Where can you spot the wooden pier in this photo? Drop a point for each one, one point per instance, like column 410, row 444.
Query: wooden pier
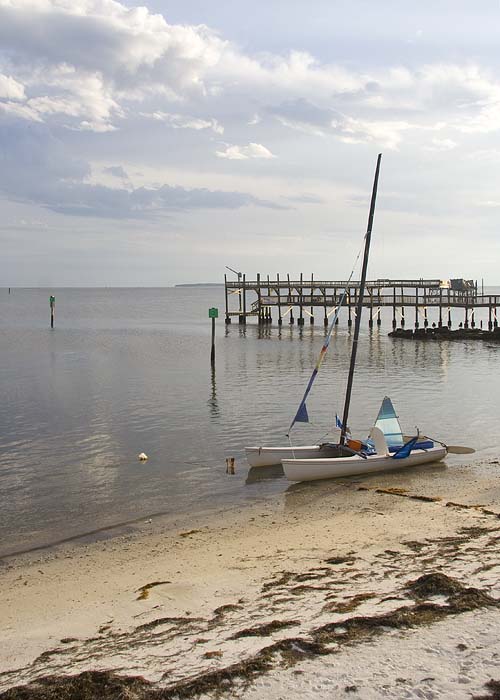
column 296, row 300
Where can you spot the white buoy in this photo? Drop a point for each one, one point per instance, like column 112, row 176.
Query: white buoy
column 143, row 457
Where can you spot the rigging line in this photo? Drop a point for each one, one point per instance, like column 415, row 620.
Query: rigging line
column 326, row 341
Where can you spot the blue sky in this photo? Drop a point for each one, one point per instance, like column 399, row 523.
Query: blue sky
column 155, row 144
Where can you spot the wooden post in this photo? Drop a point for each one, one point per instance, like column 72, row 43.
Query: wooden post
column 379, row 320
column 466, row 319
column 402, row 308
column 243, row 319
column 490, row 315
column 268, row 308
column 280, row 320
column 228, row 318
column 213, row 313
column 311, row 319
column 259, row 304
column 325, row 319
column 416, row 307
column 290, row 299
column 394, row 322
column 349, row 308
column 300, row 320
column 440, row 322
column 52, row 302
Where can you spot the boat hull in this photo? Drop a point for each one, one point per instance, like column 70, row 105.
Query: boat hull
column 312, row 469
column 269, row 456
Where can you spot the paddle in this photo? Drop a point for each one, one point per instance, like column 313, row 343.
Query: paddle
column 452, row 449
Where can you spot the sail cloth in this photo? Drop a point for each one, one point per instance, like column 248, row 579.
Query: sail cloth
column 388, row 423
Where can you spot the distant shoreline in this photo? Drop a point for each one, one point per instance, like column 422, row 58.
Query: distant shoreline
column 200, row 284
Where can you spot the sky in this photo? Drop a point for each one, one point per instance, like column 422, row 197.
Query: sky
column 154, row 144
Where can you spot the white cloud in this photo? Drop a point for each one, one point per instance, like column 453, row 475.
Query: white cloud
column 442, row 145
column 10, row 89
column 180, row 121
column 253, row 150
column 138, row 57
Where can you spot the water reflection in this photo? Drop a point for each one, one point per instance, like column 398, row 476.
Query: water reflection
column 122, row 374
column 212, row 401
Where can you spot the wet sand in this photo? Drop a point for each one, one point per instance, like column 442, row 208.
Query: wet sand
column 384, row 586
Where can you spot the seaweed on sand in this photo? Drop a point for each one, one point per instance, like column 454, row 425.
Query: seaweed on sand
column 348, row 605
column 144, row 590
column 84, row 686
column 264, row 630
column 93, row 685
column 460, row 599
column 494, row 691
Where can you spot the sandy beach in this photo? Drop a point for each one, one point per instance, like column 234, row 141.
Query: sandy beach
column 384, row 586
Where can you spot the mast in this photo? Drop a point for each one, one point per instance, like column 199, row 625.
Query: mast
column 359, row 308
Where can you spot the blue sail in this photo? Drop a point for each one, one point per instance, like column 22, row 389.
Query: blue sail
column 388, row 423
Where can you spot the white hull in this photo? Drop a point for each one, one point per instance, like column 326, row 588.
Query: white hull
column 268, row 456
column 312, row 469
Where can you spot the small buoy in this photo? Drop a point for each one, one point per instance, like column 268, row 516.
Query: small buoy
column 143, row 457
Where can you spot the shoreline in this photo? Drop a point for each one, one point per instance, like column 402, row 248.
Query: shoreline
column 176, row 600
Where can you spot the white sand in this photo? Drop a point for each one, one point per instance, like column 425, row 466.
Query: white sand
column 88, row 594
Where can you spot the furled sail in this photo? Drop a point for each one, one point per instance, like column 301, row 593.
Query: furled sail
column 388, row 422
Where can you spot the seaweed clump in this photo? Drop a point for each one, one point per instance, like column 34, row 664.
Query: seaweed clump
column 84, row 686
column 265, row 630
column 494, row 691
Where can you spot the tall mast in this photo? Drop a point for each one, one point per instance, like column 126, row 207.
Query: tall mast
column 359, row 307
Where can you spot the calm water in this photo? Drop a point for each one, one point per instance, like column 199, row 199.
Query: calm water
column 127, row 370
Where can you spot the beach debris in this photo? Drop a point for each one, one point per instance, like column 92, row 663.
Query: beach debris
column 266, row 629
column 144, row 590
column 229, row 465
column 212, row 654
column 142, row 457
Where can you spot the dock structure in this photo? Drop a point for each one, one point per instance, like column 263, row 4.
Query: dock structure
column 296, row 300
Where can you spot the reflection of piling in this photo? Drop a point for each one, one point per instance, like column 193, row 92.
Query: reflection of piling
column 52, row 302
column 229, row 465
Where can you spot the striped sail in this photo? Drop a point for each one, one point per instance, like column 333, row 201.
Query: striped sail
column 388, row 423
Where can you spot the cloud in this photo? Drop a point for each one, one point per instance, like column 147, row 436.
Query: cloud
column 10, row 89
column 116, row 171
column 309, row 118
column 180, row 121
column 83, row 199
column 48, row 74
column 306, row 199
column 38, row 168
column 253, row 150
column 442, row 145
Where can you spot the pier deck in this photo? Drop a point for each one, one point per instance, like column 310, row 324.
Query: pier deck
column 258, row 298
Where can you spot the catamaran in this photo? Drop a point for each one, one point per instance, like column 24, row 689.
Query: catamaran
column 385, row 448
